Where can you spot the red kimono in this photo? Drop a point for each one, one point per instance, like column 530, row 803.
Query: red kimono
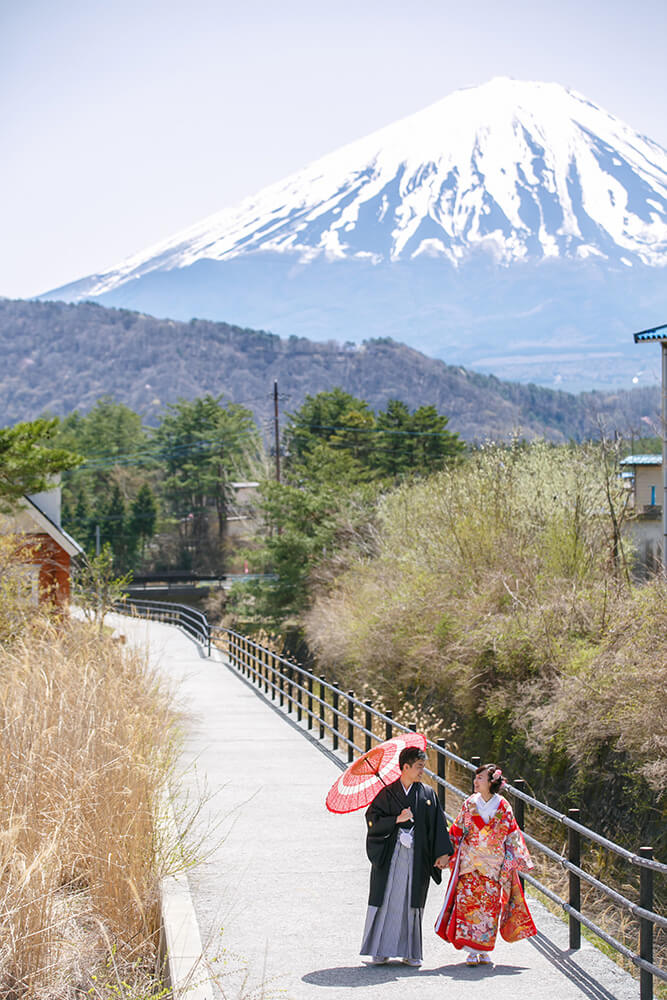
column 484, row 889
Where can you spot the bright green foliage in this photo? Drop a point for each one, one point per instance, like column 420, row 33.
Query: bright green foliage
column 335, row 417
column 394, row 450
column 393, row 444
column 433, row 445
column 110, row 429
column 205, row 445
column 96, row 496
column 137, row 481
column 304, row 523
column 143, row 517
column 97, row 585
column 339, row 457
column 413, row 443
column 28, row 460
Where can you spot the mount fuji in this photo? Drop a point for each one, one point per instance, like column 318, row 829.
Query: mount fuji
column 514, row 227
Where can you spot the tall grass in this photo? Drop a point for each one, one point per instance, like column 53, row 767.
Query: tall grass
column 86, row 745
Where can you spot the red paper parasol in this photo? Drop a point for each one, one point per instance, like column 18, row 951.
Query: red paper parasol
column 360, row 783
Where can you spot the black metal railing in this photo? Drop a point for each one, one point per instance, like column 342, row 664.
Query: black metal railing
column 319, row 704
column 188, row 619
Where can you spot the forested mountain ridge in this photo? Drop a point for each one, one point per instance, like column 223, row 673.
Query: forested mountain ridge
column 60, row 357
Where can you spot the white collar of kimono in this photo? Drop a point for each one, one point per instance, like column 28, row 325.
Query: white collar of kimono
column 486, row 809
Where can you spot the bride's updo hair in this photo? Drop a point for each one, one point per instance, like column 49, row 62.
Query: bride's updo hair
column 496, row 778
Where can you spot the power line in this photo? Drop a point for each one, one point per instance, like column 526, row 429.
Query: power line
column 365, row 430
column 164, row 454
column 100, row 460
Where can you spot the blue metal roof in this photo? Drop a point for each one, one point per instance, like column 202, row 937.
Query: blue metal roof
column 642, row 460
column 652, row 334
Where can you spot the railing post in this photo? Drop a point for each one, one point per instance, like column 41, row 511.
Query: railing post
column 442, row 743
column 476, row 762
column 335, row 717
column 368, row 724
column 208, row 638
column 350, row 726
column 290, row 674
column 519, row 804
column 265, row 659
column 574, row 898
column 646, row 926
column 310, row 700
column 299, row 685
column 412, row 727
column 273, row 676
column 520, row 813
column 388, row 727
column 281, row 683
column 322, row 692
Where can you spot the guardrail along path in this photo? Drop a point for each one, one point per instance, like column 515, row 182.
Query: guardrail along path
column 281, row 895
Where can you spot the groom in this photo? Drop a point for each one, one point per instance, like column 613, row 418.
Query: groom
column 407, row 844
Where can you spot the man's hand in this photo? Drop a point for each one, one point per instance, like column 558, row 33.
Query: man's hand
column 442, row 861
column 405, row 816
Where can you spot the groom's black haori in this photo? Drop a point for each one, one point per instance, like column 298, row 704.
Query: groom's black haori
column 431, row 839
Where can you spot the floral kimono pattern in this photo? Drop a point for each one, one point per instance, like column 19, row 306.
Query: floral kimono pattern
column 484, row 889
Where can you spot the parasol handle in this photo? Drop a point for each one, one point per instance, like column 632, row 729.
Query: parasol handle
column 378, row 775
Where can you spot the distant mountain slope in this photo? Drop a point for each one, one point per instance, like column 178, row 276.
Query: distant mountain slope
column 514, row 227
column 61, row 357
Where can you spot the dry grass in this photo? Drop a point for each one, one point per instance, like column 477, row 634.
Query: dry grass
column 86, row 748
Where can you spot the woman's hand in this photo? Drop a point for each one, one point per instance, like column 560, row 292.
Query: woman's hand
column 405, row 816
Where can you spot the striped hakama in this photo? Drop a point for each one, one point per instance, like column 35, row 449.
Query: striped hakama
column 394, row 930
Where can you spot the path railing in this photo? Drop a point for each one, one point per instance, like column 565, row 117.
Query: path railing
column 354, row 726
column 188, row 619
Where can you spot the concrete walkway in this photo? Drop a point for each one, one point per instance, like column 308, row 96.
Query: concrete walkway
column 281, row 895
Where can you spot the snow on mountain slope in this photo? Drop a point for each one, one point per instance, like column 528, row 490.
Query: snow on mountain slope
column 524, row 171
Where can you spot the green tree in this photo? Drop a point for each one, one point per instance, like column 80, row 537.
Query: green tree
column 114, row 443
column 143, row 517
column 434, row 446
column 28, row 461
column 339, row 457
column 334, row 417
column 115, row 531
column 205, row 445
column 393, row 456
column 109, row 431
column 97, row 585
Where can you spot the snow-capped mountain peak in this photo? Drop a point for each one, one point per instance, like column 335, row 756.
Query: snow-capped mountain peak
column 522, row 171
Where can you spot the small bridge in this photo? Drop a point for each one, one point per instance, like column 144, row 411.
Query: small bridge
column 280, row 896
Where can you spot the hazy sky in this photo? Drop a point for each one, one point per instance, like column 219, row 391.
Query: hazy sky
column 123, row 121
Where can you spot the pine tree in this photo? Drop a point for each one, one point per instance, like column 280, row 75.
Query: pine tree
column 143, row 517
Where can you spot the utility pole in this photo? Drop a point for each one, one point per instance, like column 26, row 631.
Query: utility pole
column 276, row 428
column 97, row 539
column 659, row 334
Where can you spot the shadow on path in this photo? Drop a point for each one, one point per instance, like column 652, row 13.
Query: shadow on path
column 373, row 975
column 561, row 959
